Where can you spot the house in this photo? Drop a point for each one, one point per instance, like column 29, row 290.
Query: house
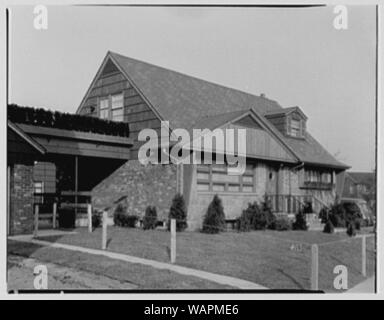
column 361, row 185
column 284, row 161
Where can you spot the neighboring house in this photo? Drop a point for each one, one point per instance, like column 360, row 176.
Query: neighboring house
column 360, row 185
column 284, row 161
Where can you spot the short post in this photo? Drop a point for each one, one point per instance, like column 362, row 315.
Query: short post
column 54, row 215
column 89, row 211
column 364, row 255
column 36, row 227
column 173, row 240
column 315, row 267
column 104, row 233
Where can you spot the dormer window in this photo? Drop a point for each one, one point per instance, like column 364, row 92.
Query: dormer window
column 295, row 128
column 289, row 121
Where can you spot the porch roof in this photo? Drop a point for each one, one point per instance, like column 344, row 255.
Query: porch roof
column 61, row 141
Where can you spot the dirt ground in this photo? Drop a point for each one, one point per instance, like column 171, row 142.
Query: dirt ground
column 21, row 277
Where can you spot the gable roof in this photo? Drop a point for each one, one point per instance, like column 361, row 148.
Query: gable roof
column 186, row 101
column 367, row 178
column 286, row 111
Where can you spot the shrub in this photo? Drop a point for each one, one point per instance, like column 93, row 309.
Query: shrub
column 329, row 228
column 267, row 216
column 351, row 231
column 122, row 219
column 246, row 221
column 178, row 211
column 66, row 121
column 214, row 219
column 282, row 224
column 307, row 207
column 150, row 218
column 337, row 215
column 324, row 214
column 300, row 222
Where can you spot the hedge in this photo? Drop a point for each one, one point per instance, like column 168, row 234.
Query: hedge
column 66, row 121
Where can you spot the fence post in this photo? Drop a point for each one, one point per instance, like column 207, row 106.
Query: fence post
column 36, row 226
column 104, row 233
column 364, row 255
column 54, row 215
column 173, row 240
column 315, row 267
column 89, row 211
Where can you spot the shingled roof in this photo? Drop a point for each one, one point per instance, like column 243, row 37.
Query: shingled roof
column 184, row 101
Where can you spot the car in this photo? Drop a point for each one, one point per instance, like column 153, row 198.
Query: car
column 361, row 206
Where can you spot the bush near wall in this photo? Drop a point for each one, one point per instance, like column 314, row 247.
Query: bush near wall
column 150, row 218
column 214, row 219
column 178, row 211
column 342, row 215
column 122, row 219
column 300, row 222
column 257, row 217
column 66, row 121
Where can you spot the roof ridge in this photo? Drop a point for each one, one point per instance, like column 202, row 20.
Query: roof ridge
column 196, row 78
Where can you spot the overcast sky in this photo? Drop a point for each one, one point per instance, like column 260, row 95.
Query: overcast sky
column 294, row 56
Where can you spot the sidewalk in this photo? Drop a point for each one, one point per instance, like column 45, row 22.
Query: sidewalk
column 221, row 279
column 367, row 286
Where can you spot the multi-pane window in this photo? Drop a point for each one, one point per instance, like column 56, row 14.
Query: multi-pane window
column 39, row 187
column 117, row 107
column 215, row 178
column 295, row 128
column 112, row 107
column 104, row 108
column 317, row 178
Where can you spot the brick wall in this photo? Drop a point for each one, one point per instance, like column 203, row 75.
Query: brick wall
column 21, row 199
column 138, row 186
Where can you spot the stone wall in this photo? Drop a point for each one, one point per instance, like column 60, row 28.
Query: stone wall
column 21, row 199
column 136, row 186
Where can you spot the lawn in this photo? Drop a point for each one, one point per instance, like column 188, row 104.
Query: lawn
column 277, row 260
column 133, row 275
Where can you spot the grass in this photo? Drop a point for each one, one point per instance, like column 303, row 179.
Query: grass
column 142, row 276
column 277, row 260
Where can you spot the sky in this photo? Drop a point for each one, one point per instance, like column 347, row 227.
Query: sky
column 293, row 55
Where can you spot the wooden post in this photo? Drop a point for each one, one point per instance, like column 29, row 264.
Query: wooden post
column 89, row 211
column 104, row 233
column 54, row 215
column 315, row 267
column 364, row 255
column 173, row 240
column 36, row 227
column 76, row 181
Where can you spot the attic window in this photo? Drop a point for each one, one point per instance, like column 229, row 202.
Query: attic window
column 295, row 128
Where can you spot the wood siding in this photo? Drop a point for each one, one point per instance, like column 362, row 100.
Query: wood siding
column 261, row 144
column 280, row 122
column 136, row 112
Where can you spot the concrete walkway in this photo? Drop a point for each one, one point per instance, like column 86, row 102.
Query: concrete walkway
column 221, row 279
column 367, row 286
